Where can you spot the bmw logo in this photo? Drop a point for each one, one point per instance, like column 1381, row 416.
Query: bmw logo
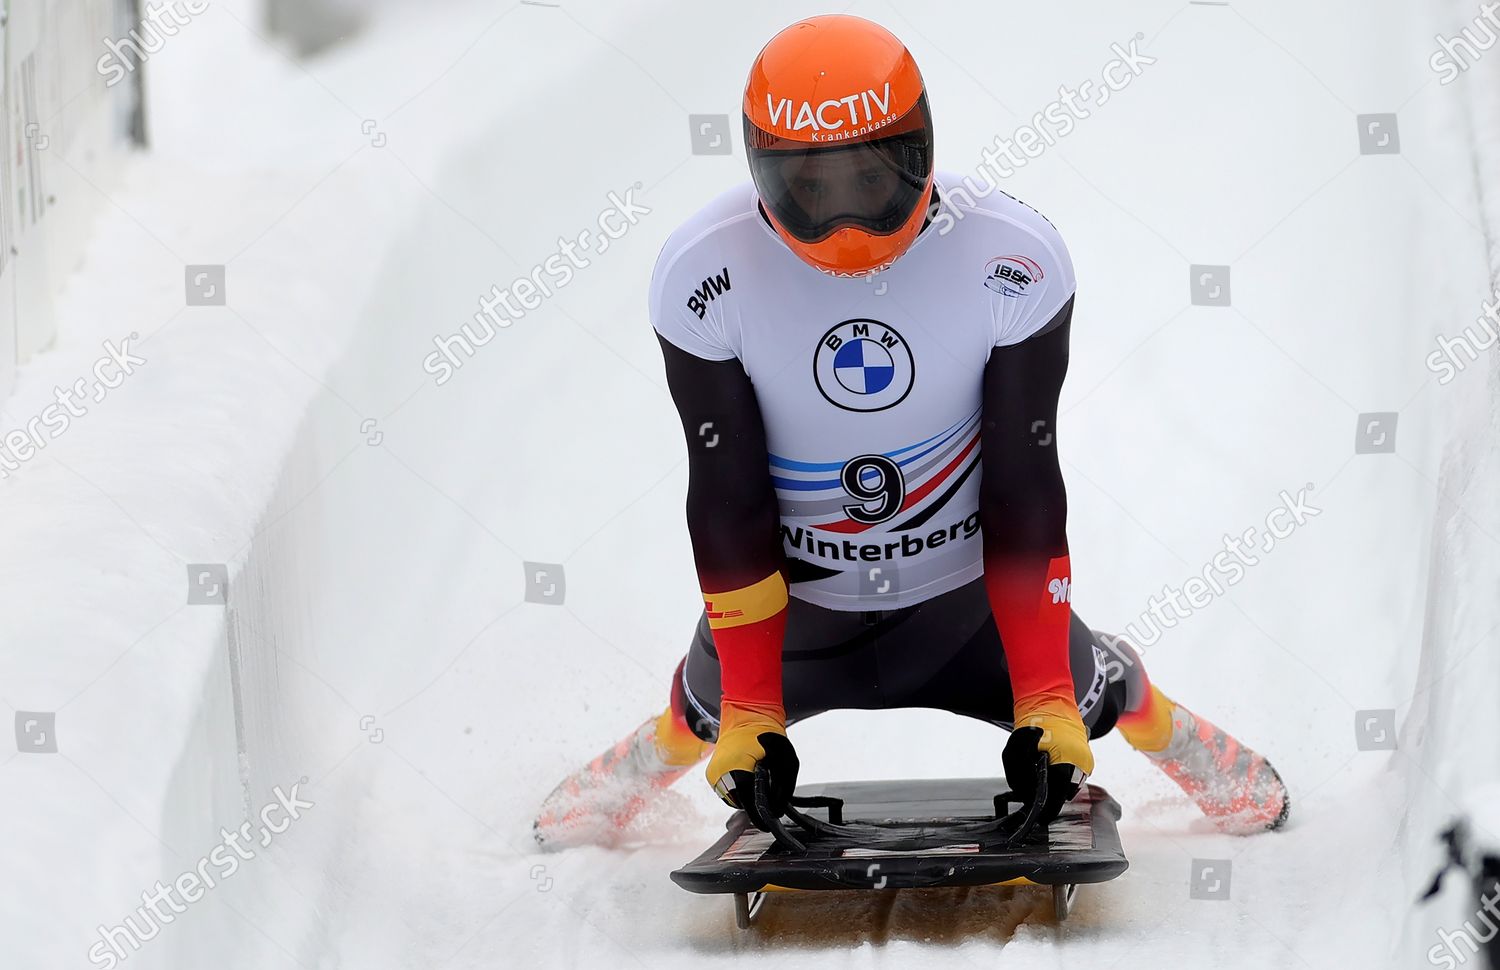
column 863, row 365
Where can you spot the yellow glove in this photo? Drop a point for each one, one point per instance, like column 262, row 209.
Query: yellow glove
column 1050, row 726
column 750, row 737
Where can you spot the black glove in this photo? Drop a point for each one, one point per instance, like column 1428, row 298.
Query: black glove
column 1022, row 759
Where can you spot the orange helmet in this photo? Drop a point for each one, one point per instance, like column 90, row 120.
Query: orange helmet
column 839, row 139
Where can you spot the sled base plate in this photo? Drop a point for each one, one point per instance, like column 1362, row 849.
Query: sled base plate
column 1081, row 846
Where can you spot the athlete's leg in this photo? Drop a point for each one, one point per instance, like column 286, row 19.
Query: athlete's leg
column 947, row 654
column 677, row 727
column 1232, row 784
column 1146, row 718
column 827, row 663
column 601, row 802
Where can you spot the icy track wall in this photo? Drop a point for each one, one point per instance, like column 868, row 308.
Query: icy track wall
column 1448, row 766
column 66, row 117
column 309, row 676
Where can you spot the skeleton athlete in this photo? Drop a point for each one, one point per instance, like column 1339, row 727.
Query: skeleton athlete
column 866, row 355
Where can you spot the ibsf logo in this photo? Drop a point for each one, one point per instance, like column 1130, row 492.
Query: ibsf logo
column 832, row 115
column 1011, row 275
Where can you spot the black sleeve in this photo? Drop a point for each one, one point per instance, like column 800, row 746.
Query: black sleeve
column 732, row 515
column 1023, row 506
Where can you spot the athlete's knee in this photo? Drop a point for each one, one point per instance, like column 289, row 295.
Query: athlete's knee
column 1122, row 665
column 1111, row 706
column 1091, row 685
column 689, row 710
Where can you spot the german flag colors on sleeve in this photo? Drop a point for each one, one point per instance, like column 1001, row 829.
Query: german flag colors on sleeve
column 748, row 625
column 1032, row 601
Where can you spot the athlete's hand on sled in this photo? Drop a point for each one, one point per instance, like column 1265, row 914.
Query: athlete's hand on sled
column 1049, row 726
column 751, row 737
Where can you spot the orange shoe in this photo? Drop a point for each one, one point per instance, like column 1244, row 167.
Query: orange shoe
column 1233, row 785
column 601, row 803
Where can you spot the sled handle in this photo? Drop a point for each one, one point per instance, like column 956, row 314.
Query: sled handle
column 1027, row 816
column 762, row 798
column 835, row 807
column 1038, row 802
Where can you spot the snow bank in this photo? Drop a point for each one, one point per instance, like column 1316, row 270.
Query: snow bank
column 365, row 580
column 257, row 168
column 65, row 132
column 1449, row 766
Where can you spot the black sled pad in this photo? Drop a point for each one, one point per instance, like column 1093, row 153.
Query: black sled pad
column 913, row 834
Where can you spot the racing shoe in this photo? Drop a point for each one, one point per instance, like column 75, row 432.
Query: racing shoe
column 1234, row 786
column 610, row 800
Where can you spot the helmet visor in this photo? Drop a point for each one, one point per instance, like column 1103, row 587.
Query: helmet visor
column 814, row 189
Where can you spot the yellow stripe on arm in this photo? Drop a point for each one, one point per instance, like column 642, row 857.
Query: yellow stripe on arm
column 750, row 604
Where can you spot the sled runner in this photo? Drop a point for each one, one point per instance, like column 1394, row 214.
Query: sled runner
column 912, row 835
